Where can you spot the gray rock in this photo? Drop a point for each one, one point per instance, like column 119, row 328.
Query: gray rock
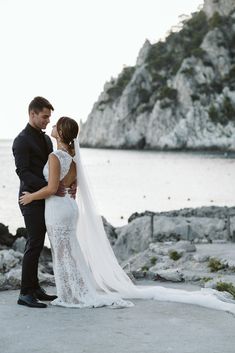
column 223, row 7
column 191, row 277
column 19, row 244
column 45, row 256
column 110, row 231
column 173, row 275
column 10, row 266
column 143, row 53
column 184, row 246
column 46, row 279
column 179, row 228
column 220, row 241
column 21, row 232
column 133, row 238
column 201, row 258
column 218, row 54
column 13, row 279
column 152, row 255
column 6, row 238
column 202, row 212
column 144, row 249
column 2, row 281
column 9, row 259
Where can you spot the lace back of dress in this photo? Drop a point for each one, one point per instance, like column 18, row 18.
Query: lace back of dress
column 65, row 161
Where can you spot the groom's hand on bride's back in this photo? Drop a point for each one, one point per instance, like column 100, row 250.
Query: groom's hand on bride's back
column 61, row 190
column 73, row 190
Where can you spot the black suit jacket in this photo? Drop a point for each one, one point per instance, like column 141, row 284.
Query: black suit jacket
column 31, row 149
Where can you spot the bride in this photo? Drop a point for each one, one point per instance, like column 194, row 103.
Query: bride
column 87, row 273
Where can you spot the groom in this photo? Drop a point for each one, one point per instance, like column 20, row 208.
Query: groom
column 31, row 149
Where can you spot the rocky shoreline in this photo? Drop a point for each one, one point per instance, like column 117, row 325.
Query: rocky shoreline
column 194, row 245
column 11, row 254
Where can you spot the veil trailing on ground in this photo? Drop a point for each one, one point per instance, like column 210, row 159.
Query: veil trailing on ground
column 108, row 275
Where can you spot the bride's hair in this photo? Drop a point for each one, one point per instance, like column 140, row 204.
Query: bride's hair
column 68, row 130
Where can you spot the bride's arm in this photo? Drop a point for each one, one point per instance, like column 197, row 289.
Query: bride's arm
column 51, row 188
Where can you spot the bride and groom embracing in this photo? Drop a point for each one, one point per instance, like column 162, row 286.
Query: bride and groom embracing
column 87, row 273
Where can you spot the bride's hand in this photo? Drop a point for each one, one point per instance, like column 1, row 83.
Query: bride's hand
column 26, row 198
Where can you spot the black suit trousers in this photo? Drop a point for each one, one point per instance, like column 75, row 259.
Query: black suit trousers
column 36, row 230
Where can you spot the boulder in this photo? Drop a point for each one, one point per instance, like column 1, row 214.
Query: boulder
column 13, row 279
column 21, row 232
column 9, row 259
column 19, row 245
column 133, row 238
column 173, row 275
column 6, row 238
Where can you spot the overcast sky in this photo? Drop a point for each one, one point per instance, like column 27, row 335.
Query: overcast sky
column 65, row 50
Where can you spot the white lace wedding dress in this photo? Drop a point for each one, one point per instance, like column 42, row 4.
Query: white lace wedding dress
column 74, row 283
column 87, row 273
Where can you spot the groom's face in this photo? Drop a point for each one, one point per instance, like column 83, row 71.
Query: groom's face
column 41, row 119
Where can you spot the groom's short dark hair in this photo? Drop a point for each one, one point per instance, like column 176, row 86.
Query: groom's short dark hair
column 38, row 104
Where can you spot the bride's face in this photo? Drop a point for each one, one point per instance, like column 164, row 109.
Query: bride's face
column 54, row 132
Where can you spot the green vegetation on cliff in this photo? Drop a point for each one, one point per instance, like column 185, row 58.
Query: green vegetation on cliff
column 121, row 82
column 165, row 58
column 168, row 55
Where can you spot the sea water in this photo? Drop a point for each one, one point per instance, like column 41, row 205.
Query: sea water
column 128, row 181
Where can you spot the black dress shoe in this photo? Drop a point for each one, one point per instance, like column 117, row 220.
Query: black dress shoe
column 40, row 294
column 30, row 300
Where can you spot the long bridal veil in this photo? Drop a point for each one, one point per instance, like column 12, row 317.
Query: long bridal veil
column 108, row 275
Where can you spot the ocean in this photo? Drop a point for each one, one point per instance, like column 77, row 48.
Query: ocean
column 128, row 181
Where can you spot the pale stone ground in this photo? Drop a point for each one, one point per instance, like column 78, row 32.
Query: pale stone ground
column 150, row 326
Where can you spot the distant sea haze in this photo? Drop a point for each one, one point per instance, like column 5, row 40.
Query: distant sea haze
column 125, row 182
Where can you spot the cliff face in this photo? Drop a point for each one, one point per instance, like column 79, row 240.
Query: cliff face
column 180, row 94
column 223, row 7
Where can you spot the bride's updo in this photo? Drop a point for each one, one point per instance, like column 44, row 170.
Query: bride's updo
column 68, row 130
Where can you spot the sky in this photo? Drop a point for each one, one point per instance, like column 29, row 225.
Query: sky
column 65, row 50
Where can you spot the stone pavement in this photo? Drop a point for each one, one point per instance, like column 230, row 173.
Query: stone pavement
column 150, row 326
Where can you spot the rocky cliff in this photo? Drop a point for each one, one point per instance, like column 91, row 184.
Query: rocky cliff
column 191, row 245
column 179, row 95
